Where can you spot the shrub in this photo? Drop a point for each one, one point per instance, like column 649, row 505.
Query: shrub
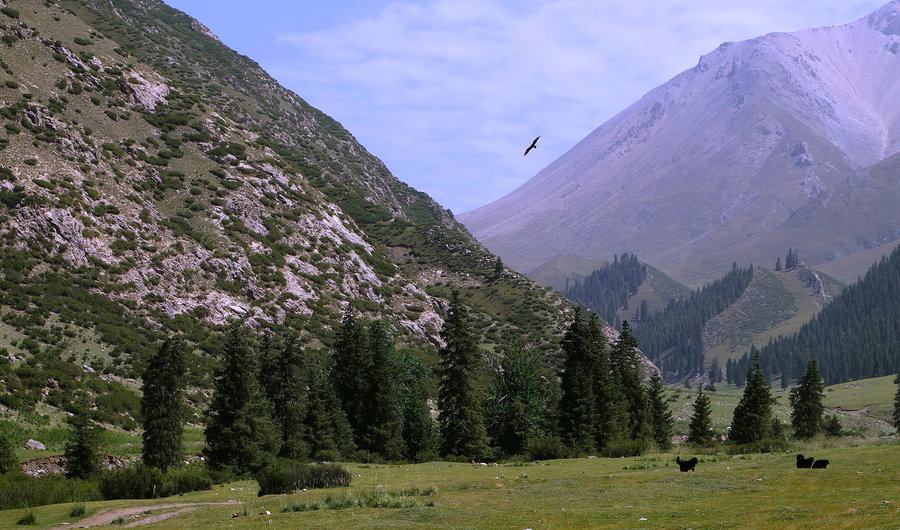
column 193, row 477
column 285, row 476
column 133, row 482
column 18, row 490
column 620, row 448
column 547, row 448
column 79, row 510
column 28, row 519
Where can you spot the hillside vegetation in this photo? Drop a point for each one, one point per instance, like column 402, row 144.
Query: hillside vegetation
column 154, row 182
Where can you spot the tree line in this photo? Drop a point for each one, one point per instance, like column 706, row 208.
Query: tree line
column 853, row 337
column 367, row 400
column 671, row 338
column 608, row 288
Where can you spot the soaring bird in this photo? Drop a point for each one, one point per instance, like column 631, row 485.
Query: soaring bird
column 532, row 146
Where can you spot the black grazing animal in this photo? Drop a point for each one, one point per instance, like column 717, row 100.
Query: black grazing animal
column 820, row 464
column 686, row 465
column 804, row 463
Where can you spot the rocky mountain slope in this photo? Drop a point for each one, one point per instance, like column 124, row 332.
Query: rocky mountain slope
column 153, row 181
column 787, row 140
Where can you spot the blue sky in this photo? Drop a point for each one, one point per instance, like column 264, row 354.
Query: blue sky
column 449, row 93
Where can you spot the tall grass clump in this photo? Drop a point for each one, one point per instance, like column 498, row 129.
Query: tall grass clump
column 286, row 476
column 377, row 498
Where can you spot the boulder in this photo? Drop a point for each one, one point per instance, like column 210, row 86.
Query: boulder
column 35, row 445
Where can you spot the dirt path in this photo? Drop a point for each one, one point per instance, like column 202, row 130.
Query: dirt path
column 108, row 516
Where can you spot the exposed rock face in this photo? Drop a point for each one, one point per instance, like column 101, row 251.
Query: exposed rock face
column 760, row 147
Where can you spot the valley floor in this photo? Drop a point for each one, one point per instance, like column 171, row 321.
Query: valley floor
column 858, row 490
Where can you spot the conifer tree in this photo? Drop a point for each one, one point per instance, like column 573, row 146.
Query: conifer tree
column 897, row 403
column 752, row 420
column 627, row 369
column 715, row 372
column 578, row 415
column 286, row 387
column 420, row 435
column 610, row 405
column 352, row 368
column 518, row 401
column 240, row 433
column 807, row 407
column 700, row 426
column 163, row 406
column 660, row 415
column 384, row 430
column 83, row 447
column 461, row 419
column 778, row 264
column 328, row 432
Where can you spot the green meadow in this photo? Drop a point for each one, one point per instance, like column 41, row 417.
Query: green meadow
column 858, row 490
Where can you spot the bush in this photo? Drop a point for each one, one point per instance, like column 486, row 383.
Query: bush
column 137, row 481
column 18, row 490
column 28, row 519
column 79, row 510
column 193, row 477
column 286, row 476
column 832, row 426
column 547, row 448
column 620, row 448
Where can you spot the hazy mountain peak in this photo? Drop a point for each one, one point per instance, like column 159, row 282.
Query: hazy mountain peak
column 758, row 148
column 886, row 19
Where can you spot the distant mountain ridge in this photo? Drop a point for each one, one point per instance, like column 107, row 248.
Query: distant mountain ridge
column 786, row 140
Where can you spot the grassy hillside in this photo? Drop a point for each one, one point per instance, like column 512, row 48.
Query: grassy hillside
column 858, row 490
column 776, row 303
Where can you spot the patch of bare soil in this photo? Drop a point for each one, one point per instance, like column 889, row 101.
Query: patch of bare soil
column 135, row 512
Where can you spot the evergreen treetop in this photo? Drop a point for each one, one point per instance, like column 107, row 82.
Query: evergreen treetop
column 460, row 397
column 163, row 406
column 660, row 415
column 807, row 403
column 700, row 426
column 752, row 421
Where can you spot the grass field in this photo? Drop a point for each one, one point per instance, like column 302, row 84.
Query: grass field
column 858, row 490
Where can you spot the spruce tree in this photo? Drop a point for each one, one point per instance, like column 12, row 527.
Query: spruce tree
column 778, row 264
column 384, row 429
column 518, row 400
column 83, row 448
column 752, row 420
column 897, row 403
column 578, row 416
column 610, row 405
column 660, row 415
column 328, row 432
column 461, row 419
column 627, row 369
column 352, row 368
column 240, row 433
column 420, row 435
column 286, row 387
column 700, row 426
column 715, row 372
column 163, row 406
column 807, row 407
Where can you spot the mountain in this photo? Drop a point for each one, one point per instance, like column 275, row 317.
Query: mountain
column 154, row 182
column 789, row 140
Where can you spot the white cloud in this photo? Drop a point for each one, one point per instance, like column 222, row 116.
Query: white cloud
column 449, row 92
